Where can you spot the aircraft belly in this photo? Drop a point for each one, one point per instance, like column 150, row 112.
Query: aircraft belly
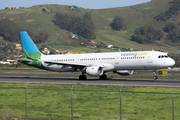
column 59, row 68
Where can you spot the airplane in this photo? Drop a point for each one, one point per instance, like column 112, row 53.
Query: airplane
column 94, row 64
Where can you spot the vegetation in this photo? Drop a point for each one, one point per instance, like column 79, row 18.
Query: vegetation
column 9, row 30
column 41, row 38
column 117, row 23
column 173, row 32
column 37, row 21
column 170, row 26
column 87, row 104
column 82, row 26
column 176, row 58
column 173, row 10
column 16, row 66
column 173, row 36
column 9, row 48
column 146, row 35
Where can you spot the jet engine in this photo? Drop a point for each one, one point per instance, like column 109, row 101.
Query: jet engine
column 94, row 71
column 125, row 72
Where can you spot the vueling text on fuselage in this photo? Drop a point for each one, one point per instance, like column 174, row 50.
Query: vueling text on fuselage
column 134, row 54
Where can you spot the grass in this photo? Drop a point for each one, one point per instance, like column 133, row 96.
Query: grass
column 30, row 20
column 76, row 50
column 147, row 8
column 16, row 11
column 16, row 66
column 110, row 19
column 56, row 104
column 12, row 12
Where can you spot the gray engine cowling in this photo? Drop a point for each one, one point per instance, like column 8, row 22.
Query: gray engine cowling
column 125, row 72
column 94, row 71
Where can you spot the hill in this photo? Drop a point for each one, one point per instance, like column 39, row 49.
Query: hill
column 40, row 18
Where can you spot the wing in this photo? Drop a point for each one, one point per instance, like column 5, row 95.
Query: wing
column 67, row 64
column 105, row 66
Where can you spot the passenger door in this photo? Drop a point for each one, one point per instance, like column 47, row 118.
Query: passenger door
column 117, row 60
column 150, row 58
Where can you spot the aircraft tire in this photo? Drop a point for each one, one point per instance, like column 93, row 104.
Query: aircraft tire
column 103, row 77
column 82, row 77
column 155, row 77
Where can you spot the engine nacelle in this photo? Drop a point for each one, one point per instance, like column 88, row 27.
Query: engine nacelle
column 94, row 71
column 125, row 72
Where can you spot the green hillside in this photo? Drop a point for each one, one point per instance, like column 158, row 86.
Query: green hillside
column 40, row 18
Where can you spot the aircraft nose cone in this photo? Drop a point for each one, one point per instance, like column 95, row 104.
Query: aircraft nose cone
column 172, row 62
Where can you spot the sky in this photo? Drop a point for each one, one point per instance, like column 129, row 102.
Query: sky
column 90, row 4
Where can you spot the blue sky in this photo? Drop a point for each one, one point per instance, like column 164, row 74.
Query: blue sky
column 90, row 4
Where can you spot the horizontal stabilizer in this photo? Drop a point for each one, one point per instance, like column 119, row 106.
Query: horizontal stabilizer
column 25, row 60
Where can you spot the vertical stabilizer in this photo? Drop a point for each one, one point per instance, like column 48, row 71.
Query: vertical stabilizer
column 29, row 47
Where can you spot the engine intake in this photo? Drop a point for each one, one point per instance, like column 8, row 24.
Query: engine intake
column 94, row 71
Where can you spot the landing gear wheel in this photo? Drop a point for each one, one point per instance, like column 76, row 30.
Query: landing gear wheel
column 155, row 77
column 82, row 77
column 103, row 77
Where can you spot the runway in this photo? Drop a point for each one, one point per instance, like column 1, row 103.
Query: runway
column 93, row 81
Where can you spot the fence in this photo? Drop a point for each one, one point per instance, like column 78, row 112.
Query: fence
column 82, row 104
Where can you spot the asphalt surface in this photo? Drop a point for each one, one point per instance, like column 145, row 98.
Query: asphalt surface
column 19, row 76
column 22, row 72
column 92, row 81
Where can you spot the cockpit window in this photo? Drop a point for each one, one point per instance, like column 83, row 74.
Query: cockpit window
column 163, row 56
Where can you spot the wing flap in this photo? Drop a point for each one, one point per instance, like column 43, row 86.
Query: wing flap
column 78, row 64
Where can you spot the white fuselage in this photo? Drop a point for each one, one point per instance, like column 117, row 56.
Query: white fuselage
column 136, row 60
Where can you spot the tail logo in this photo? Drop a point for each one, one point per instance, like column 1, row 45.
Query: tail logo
column 39, row 61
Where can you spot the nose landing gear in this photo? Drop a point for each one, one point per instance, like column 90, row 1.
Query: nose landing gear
column 155, row 77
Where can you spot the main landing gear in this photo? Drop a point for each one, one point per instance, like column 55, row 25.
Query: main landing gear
column 82, row 77
column 155, row 77
column 103, row 77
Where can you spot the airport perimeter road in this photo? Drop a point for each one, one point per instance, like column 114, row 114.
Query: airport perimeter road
column 93, row 81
